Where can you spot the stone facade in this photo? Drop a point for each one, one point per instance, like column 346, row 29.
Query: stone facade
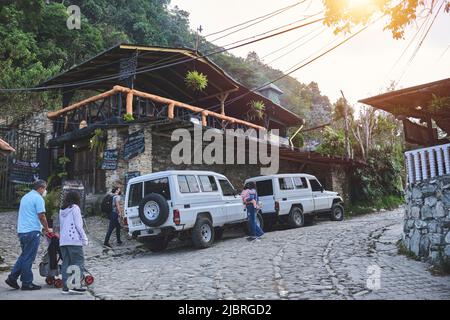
column 40, row 123
column 427, row 219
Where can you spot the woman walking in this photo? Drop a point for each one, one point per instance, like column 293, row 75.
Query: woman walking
column 114, row 216
column 72, row 238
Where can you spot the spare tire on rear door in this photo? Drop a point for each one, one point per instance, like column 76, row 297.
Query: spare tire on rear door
column 153, row 210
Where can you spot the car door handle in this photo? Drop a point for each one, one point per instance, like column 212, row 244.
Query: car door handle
column 284, row 199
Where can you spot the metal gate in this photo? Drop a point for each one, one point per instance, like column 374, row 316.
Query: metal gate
column 19, row 169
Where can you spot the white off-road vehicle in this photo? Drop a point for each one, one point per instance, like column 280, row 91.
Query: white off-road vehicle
column 294, row 199
column 198, row 204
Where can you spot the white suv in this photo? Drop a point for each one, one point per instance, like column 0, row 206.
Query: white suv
column 162, row 205
column 292, row 198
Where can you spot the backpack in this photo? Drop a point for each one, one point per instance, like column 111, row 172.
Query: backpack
column 107, row 204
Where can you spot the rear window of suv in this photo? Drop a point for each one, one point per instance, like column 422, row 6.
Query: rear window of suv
column 188, row 184
column 160, row 186
column 135, row 194
column 264, row 188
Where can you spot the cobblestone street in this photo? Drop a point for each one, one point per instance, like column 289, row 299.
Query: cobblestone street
column 328, row 260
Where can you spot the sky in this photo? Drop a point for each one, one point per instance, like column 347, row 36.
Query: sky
column 362, row 67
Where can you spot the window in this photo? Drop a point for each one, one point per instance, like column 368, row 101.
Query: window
column 160, row 186
column 208, row 183
column 300, row 183
column 315, row 185
column 135, row 195
column 286, row 183
column 188, row 184
column 227, row 188
column 264, row 188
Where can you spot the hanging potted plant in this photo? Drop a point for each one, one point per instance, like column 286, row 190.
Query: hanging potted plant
column 438, row 104
column 196, row 81
column 257, row 109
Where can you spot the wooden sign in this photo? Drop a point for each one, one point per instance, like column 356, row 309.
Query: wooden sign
column 130, row 175
column 110, row 158
column 24, row 172
column 134, row 145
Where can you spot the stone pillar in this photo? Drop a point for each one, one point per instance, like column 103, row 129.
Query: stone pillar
column 142, row 162
column 115, row 140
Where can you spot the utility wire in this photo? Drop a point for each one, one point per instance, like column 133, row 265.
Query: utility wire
column 254, row 19
column 146, row 69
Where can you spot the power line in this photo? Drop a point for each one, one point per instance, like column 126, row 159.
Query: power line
column 254, row 19
column 146, row 69
column 420, row 43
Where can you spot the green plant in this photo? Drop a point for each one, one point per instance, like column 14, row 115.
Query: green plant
column 62, row 173
column 52, row 202
column 98, row 140
column 439, row 103
column 298, row 141
column 196, row 81
column 258, row 108
column 128, row 117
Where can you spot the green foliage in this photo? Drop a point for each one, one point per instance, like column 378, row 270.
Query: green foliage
column 333, row 142
column 21, row 190
column 98, row 140
column 438, row 104
column 52, row 202
column 257, row 108
column 298, row 141
column 196, row 81
column 128, row 117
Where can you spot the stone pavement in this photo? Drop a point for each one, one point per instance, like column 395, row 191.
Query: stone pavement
column 328, row 260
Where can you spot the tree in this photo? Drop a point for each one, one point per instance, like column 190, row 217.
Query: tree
column 344, row 15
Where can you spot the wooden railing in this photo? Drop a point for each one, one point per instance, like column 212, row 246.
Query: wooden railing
column 174, row 109
column 427, row 163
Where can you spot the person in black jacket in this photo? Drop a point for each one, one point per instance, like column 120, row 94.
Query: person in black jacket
column 115, row 215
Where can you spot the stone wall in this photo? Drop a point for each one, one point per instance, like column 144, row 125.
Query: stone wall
column 40, row 123
column 427, row 219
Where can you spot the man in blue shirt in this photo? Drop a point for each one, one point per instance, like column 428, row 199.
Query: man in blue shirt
column 29, row 226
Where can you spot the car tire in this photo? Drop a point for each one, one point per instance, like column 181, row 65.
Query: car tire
column 157, row 244
column 337, row 212
column 218, row 233
column 153, row 210
column 259, row 222
column 296, row 218
column 203, row 233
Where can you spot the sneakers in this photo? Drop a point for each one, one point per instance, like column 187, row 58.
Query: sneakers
column 107, row 244
column 250, row 238
column 65, row 291
column 119, row 243
column 12, row 283
column 77, row 291
column 31, row 287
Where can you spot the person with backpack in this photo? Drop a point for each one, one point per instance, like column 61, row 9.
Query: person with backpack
column 250, row 200
column 114, row 211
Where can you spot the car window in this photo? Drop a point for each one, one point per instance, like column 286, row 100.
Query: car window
column 160, row 186
column 286, row 183
column 300, row 183
column 135, row 194
column 315, row 185
column 188, row 184
column 264, row 188
column 227, row 188
column 208, row 183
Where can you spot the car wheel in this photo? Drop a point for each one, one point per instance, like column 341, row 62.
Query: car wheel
column 153, row 210
column 157, row 244
column 218, row 233
column 337, row 212
column 296, row 218
column 203, row 233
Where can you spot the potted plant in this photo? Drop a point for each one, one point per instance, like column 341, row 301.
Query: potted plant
column 52, row 205
column 257, row 109
column 196, row 81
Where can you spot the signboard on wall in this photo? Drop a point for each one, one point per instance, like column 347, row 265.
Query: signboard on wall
column 134, row 145
column 110, row 158
column 24, row 172
column 130, row 175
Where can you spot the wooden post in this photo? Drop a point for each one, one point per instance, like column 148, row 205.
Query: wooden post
column 204, row 115
column 171, row 110
column 130, row 102
column 346, row 138
column 222, row 97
